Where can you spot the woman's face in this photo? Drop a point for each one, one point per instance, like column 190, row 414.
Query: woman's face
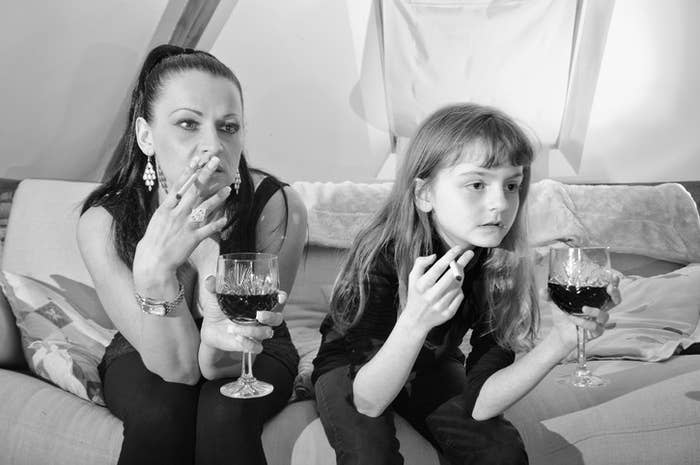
column 199, row 115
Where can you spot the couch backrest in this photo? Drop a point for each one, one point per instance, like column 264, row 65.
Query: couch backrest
column 41, row 243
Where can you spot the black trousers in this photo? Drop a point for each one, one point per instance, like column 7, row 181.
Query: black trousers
column 433, row 405
column 172, row 423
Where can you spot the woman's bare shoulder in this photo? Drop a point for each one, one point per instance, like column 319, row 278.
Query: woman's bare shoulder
column 95, row 217
column 94, row 225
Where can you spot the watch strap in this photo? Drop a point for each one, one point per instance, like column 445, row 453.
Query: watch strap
column 160, row 307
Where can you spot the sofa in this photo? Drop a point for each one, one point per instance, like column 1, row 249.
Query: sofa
column 649, row 413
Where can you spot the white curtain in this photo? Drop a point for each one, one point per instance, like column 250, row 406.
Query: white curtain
column 512, row 54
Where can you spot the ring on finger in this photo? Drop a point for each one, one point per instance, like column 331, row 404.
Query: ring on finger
column 198, row 215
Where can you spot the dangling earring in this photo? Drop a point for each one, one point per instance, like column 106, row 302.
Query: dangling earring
column 161, row 178
column 149, row 175
column 236, row 181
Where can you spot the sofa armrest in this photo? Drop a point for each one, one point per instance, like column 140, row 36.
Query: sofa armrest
column 11, row 355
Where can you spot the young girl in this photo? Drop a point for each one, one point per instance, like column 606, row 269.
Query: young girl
column 446, row 253
column 150, row 237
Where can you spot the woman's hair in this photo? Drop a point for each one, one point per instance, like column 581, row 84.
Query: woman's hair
column 124, row 194
column 504, row 285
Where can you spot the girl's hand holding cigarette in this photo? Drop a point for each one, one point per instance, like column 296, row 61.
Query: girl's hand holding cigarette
column 435, row 289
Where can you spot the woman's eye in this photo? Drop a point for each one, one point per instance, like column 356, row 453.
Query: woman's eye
column 512, row 187
column 477, row 186
column 230, row 128
column 188, row 124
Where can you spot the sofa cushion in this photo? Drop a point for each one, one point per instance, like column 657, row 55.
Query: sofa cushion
column 646, row 414
column 40, row 423
column 59, row 343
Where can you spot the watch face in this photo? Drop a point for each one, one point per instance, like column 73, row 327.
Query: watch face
column 154, row 309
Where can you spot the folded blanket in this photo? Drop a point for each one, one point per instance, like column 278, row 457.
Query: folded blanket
column 660, row 221
column 656, row 221
column 337, row 211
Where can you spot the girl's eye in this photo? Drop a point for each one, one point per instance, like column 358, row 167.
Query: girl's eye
column 477, row 186
column 512, row 187
column 188, row 124
column 230, row 128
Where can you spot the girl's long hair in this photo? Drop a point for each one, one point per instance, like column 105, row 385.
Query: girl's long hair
column 505, row 286
column 123, row 193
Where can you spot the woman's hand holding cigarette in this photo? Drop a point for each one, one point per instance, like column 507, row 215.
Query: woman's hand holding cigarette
column 172, row 233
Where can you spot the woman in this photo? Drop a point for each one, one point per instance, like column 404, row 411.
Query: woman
column 150, row 240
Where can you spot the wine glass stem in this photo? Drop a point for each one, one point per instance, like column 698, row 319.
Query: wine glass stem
column 581, row 351
column 246, row 366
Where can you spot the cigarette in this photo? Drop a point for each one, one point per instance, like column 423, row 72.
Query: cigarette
column 456, row 271
column 189, row 181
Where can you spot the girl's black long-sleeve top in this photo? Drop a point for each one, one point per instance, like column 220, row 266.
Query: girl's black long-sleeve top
column 363, row 340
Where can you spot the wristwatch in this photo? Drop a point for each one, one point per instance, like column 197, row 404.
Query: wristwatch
column 160, row 307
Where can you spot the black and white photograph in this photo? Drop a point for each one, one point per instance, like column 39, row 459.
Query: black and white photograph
column 352, row 232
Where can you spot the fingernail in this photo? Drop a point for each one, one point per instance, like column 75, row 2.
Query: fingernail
column 225, row 191
column 213, row 161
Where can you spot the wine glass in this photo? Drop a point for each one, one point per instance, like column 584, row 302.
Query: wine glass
column 245, row 284
column 579, row 276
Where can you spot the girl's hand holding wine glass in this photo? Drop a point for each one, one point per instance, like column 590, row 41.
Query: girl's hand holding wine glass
column 582, row 286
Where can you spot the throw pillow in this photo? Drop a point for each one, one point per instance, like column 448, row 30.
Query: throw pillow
column 59, row 343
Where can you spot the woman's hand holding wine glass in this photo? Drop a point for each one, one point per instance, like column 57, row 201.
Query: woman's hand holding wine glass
column 220, row 332
column 247, row 289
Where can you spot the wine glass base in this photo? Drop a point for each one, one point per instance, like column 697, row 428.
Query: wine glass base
column 589, row 380
column 246, row 389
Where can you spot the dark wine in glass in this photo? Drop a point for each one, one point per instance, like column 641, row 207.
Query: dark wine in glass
column 572, row 299
column 242, row 308
column 246, row 283
column 578, row 277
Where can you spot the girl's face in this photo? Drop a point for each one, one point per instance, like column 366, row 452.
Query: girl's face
column 473, row 206
column 196, row 114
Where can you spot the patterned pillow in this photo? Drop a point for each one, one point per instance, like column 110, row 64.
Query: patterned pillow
column 59, row 343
